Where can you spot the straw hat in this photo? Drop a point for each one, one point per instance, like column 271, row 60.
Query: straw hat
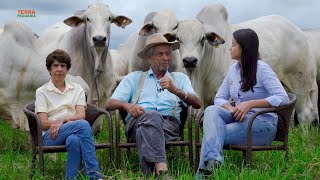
column 156, row 39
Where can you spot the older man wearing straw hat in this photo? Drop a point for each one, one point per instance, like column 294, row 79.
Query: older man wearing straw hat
column 151, row 99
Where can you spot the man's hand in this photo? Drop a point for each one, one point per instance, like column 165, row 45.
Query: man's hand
column 54, row 128
column 241, row 110
column 166, row 83
column 135, row 110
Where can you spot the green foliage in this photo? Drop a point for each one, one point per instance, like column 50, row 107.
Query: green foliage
column 304, row 160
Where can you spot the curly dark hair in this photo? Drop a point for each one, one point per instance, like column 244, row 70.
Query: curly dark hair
column 58, row 55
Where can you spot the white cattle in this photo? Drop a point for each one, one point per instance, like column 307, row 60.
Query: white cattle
column 282, row 45
column 155, row 22
column 314, row 43
column 121, row 56
column 22, row 70
column 87, row 43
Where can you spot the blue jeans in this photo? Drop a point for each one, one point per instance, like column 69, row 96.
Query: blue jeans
column 77, row 136
column 220, row 128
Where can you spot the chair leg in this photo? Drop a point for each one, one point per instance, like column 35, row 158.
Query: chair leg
column 41, row 168
column 197, row 157
column 33, row 162
column 244, row 157
column 191, row 155
column 111, row 156
column 249, row 157
column 118, row 157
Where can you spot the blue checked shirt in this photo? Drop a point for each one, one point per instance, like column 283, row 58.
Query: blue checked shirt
column 151, row 98
column 268, row 87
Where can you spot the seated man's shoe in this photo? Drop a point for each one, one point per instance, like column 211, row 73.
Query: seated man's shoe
column 212, row 164
column 202, row 174
column 163, row 175
column 209, row 164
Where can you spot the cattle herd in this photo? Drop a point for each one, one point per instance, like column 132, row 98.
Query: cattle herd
column 203, row 55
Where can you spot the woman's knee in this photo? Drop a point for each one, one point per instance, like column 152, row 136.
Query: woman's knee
column 83, row 123
column 212, row 111
column 72, row 141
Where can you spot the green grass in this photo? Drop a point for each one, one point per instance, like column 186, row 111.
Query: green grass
column 303, row 163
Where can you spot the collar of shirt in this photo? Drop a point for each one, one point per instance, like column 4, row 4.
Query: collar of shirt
column 52, row 87
column 150, row 72
column 237, row 67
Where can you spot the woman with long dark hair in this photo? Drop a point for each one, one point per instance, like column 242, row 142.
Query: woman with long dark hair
column 253, row 85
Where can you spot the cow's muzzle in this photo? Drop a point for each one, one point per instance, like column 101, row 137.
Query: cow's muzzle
column 190, row 62
column 99, row 40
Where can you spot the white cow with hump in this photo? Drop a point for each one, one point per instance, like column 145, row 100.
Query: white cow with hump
column 87, row 43
column 282, row 45
column 23, row 70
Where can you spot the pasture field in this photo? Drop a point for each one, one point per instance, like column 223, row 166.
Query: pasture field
column 303, row 163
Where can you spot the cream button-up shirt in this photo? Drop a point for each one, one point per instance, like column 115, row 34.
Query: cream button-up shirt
column 57, row 104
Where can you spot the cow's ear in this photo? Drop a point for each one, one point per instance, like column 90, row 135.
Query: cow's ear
column 170, row 37
column 73, row 21
column 147, row 29
column 121, row 21
column 214, row 39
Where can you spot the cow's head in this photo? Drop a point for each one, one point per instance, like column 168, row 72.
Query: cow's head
column 193, row 38
column 98, row 19
column 159, row 22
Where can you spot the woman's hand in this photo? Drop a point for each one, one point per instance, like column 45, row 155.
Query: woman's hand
column 241, row 110
column 229, row 107
column 54, row 128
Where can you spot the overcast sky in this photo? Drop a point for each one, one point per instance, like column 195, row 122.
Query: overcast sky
column 304, row 13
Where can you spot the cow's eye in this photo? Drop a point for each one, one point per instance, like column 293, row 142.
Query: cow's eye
column 202, row 39
column 88, row 20
column 109, row 18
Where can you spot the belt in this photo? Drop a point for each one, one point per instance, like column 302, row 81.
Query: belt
column 172, row 118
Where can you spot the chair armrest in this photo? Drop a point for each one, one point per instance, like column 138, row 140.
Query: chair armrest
column 287, row 107
column 93, row 112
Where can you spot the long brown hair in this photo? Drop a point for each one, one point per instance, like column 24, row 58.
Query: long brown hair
column 249, row 43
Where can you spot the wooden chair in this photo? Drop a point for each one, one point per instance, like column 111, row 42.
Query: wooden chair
column 284, row 114
column 92, row 113
column 185, row 116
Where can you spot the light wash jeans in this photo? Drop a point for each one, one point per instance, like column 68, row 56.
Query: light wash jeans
column 220, row 128
column 77, row 136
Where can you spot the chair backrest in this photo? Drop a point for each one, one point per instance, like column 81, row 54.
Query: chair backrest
column 92, row 113
column 284, row 115
column 32, row 121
